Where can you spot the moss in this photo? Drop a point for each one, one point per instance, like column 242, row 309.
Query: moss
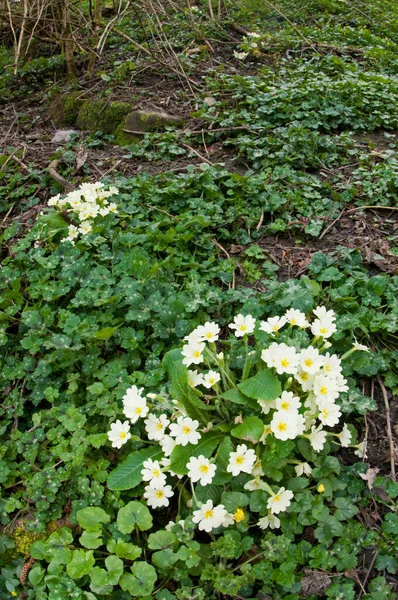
column 97, row 115
column 65, row 108
column 144, row 121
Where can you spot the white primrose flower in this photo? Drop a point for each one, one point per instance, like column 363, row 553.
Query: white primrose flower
column 305, row 380
column 134, row 405
column 240, row 55
column 255, row 484
column 332, row 365
column 326, row 345
column 329, row 413
column 243, row 325
column 323, row 328
column 192, row 353
column 104, row 211
column 296, row 317
column 156, row 426
column 152, row 472
column 280, row 501
column 193, row 337
column 345, row 436
column 258, row 469
column 112, row 208
column 209, row 517
column 303, row 469
column 228, row 520
column 282, row 357
column 361, row 450
column 341, row 383
column 54, row 200
column 358, row 346
column 266, row 405
column 310, row 360
column 270, row 521
column 208, row 332
column 184, row 431
column 211, row 378
column 326, row 388
column 288, row 401
column 201, row 469
column 287, row 425
column 119, row 433
column 85, row 228
column 159, row 496
column 194, row 378
column 322, row 313
column 273, row 324
column 168, row 444
column 317, row 438
column 73, row 232
column 241, row 461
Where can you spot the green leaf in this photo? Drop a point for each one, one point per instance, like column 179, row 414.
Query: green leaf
column 80, row 564
column 128, row 474
column 250, row 430
column 237, row 397
column 206, row 445
column 134, row 513
column 265, row 385
column 345, row 509
column 91, row 539
column 92, row 517
column 124, row 549
column 141, row 582
column 234, row 500
column 36, row 575
column 161, row 540
column 106, row 333
column 328, row 529
column 115, row 569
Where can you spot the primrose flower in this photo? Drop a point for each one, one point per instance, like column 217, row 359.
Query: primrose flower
column 266, row 405
column 104, row 211
column 282, row 357
column 184, row 431
column 194, row 379
column 211, row 378
column 243, row 325
column 240, row 55
column 310, row 360
column 270, row 521
column 345, row 436
column 296, row 317
column 305, row 380
column 119, row 433
column 193, row 337
column 332, row 365
column 255, row 484
column 168, row 444
column 322, row 313
column 361, row 450
column 303, row 469
column 156, row 426
column 152, row 472
column 241, row 461
column 209, row 517
column 159, row 496
column 192, row 353
column 287, row 425
column 72, row 232
column 208, row 332
column 323, row 328
column 134, row 405
column 201, row 469
column 329, row 413
column 280, row 501
column 326, row 388
column 112, row 208
column 287, row 402
column 317, row 437
column 85, row 228
column 273, row 325
column 54, row 200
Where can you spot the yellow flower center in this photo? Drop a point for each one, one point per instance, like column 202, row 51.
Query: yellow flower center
column 186, row 430
column 196, row 354
column 304, row 376
column 325, row 413
column 208, row 335
column 308, row 362
column 328, row 368
column 275, row 328
column 204, row 469
column 159, row 426
column 239, row 460
column 282, row 426
column 267, row 430
column 159, row 494
column 242, row 327
column 156, row 472
column 285, row 362
column 293, row 322
column 122, row 435
column 323, row 390
column 239, row 515
column 138, row 410
column 208, row 514
column 323, row 330
column 212, row 381
column 285, row 405
column 276, row 498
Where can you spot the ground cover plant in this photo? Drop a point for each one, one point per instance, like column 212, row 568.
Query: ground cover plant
column 199, row 354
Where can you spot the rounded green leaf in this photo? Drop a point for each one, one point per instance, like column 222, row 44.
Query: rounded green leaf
column 134, row 513
column 141, row 582
column 91, row 539
column 91, row 518
column 80, row 564
column 250, row 430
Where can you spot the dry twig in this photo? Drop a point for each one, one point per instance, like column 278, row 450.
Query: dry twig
column 388, row 427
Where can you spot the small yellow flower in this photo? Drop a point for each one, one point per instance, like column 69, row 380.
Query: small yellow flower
column 321, row 488
column 239, row 515
column 13, row 593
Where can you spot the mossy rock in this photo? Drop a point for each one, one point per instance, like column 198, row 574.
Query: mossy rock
column 144, row 121
column 64, row 109
column 98, row 115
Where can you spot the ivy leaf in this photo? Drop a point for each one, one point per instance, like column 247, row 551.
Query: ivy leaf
column 134, row 513
column 128, row 474
column 92, row 517
column 250, row 430
column 142, row 580
column 206, row 445
column 265, row 385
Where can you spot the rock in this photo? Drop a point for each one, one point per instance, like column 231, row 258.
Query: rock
column 100, row 115
column 143, row 121
column 62, row 136
column 210, row 101
column 65, row 107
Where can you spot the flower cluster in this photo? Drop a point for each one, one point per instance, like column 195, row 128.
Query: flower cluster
column 250, row 43
column 87, row 202
column 309, row 379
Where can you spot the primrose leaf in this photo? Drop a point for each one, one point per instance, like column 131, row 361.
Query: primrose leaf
column 250, row 430
column 265, row 385
column 128, row 474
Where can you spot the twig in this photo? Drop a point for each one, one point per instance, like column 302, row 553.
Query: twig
column 389, row 430
column 52, row 169
column 370, row 206
column 2, row 223
column 162, row 211
column 221, row 247
column 324, row 232
column 291, row 25
column 197, row 153
column 260, row 221
column 372, row 562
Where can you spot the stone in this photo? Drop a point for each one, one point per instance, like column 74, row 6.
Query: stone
column 64, row 109
column 100, row 115
column 62, row 136
column 145, row 121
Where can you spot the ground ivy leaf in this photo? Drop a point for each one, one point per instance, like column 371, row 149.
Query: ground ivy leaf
column 134, row 513
column 90, row 518
column 80, row 564
column 142, row 580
